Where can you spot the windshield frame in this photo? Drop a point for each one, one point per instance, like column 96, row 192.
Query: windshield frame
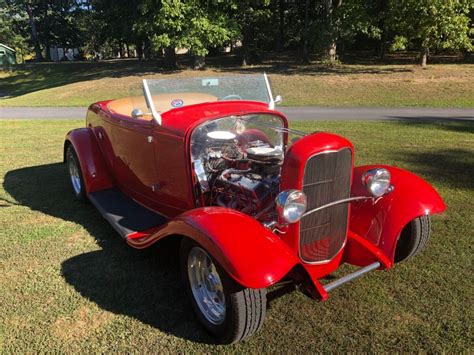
column 157, row 115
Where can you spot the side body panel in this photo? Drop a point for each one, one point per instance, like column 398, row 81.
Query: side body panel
column 173, row 190
column 134, row 166
column 381, row 222
column 127, row 147
column 95, row 171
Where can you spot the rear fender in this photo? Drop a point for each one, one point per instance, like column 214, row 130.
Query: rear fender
column 94, row 170
column 250, row 253
column 381, row 222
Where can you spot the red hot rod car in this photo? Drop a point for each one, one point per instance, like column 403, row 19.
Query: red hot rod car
column 255, row 203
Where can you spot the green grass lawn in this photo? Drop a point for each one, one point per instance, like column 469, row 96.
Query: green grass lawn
column 80, row 84
column 69, row 284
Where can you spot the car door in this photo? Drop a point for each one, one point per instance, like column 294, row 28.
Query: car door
column 134, row 162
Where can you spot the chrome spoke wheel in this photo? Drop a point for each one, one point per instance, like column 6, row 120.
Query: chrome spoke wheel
column 74, row 173
column 206, row 286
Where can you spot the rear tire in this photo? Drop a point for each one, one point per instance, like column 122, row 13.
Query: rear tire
column 413, row 238
column 230, row 316
column 75, row 174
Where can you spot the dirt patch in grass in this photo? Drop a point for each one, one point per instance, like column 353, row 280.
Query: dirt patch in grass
column 78, row 237
column 82, row 323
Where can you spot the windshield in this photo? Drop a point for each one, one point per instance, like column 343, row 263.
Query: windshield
column 264, row 128
column 187, row 91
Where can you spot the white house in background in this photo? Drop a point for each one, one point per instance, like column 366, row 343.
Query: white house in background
column 58, row 53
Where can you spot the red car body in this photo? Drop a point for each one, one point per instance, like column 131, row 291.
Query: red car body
column 151, row 164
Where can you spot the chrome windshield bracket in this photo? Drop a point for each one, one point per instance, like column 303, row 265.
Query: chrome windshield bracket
column 271, row 103
column 149, row 102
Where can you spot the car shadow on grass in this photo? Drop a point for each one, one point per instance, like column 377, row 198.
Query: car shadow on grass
column 144, row 285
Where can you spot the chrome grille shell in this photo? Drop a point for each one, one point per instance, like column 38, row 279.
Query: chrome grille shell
column 326, row 178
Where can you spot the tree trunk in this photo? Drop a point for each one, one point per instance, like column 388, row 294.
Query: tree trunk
column 245, row 49
column 382, row 46
column 139, row 47
column 199, row 62
column 331, row 52
column 424, row 57
column 170, row 58
column 305, row 33
column 281, row 26
column 121, row 50
column 331, row 49
column 48, row 52
column 128, row 50
column 34, row 32
column 146, row 49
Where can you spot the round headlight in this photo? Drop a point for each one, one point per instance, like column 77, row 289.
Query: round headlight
column 377, row 181
column 291, row 205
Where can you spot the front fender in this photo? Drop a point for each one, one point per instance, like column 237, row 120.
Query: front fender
column 381, row 222
column 250, row 253
column 94, row 170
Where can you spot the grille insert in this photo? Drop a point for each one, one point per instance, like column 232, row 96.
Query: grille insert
column 326, row 179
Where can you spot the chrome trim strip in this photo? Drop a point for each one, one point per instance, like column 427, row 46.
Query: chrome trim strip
column 338, row 202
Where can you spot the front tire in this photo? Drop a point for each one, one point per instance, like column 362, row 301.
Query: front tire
column 229, row 311
column 413, row 238
column 75, row 174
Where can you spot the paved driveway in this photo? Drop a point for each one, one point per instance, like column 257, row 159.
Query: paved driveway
column 293, row 113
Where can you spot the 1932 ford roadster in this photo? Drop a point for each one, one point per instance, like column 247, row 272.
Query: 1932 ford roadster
column 210, row 161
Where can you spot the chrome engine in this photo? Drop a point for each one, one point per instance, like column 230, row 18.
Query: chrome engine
column 237, row 173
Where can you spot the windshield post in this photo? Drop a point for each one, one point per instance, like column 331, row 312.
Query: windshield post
column 271, row 103
column 150, row 103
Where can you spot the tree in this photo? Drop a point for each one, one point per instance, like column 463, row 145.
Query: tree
column 28, row 5
column 194, row 25
column 306, row 32
column 251, row 21
column 111, row 24
column 343, row 21
column 58, row 22
column 431, row 24
column 332, row 5
column 47, row 23
column 12, row 26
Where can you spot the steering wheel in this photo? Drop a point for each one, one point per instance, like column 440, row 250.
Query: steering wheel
column 231, row 97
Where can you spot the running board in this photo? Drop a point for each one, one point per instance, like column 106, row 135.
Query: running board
column 355, row 275
column 125, row 215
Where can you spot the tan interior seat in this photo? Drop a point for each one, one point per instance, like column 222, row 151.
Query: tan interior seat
column 163, row 102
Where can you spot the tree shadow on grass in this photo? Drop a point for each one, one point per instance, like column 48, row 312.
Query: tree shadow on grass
column 144, row 285
column 28, row 78
column 452, row 167
column 310, row 69
column 33, row 77
column 464, row 124
column 449, row 166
